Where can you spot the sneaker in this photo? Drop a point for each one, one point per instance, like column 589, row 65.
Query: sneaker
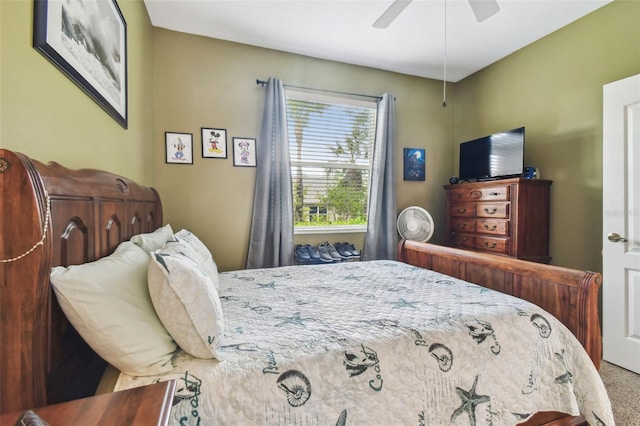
column 352, row 249
column 343, row 250
column 301, row 254
column 324, row 254
column 332, row 251
column 313, row 253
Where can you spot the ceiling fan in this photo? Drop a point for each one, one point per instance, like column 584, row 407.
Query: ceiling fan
column 482, row 9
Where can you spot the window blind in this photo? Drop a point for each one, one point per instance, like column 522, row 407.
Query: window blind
column 331, row 141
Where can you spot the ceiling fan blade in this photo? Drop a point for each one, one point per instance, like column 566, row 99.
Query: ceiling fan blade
column 391, row 13
column 484, row 9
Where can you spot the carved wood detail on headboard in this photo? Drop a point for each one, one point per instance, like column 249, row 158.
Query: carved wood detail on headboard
column 91, row 212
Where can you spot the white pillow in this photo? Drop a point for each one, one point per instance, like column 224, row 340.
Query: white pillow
column 204, row 255
column 108, row 303
column 153, row 240
column 186, row 300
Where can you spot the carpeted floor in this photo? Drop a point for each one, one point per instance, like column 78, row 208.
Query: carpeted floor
column 623, row 387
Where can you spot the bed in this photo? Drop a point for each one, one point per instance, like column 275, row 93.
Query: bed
column 330, row 351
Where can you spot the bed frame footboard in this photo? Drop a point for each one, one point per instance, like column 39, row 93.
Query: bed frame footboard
column 568, row 294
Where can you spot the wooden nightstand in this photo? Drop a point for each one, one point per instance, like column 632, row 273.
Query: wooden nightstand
column 142, row 406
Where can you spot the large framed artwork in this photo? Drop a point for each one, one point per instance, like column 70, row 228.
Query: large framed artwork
column 87, row 40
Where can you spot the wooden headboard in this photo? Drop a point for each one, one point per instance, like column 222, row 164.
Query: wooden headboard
column 51, row 216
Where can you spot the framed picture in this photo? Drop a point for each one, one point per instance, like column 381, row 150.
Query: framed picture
column 244, row 152
column 179, row 147
column 414, row 164
column 87, row 40
column 214, row 143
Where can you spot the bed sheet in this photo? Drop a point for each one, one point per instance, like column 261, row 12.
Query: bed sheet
column 380, row 342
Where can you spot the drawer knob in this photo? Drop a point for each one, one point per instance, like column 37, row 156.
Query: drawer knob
column 475, row 194
column 493, row 228
column 459, row 210
column 486, row 243
column 493, row 210
column 494, row 194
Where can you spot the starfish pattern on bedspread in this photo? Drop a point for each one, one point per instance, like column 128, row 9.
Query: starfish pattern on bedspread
column 295, row 319
column 470, row 399
column 404, row 304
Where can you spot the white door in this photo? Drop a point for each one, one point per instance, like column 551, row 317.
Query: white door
column 621, row 223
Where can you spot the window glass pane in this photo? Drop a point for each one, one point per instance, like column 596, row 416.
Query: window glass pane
column 331, row 145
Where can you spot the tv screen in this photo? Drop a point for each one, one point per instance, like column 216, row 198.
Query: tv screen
column 496, row 156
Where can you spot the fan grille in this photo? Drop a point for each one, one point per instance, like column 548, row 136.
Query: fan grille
column 416, row 224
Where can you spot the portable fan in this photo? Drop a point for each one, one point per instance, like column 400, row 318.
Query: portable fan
column 416, row 224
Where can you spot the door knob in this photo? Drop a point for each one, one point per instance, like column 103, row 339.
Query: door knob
column 616, row 238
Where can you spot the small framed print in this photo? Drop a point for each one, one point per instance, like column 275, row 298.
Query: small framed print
column 244, row 152
column 214, row 143
column 414, row 164
column 179, row 148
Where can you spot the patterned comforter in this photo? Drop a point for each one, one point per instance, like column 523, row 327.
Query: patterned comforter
column 384, row 343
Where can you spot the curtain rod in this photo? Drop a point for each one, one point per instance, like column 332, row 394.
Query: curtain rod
column 264, row 83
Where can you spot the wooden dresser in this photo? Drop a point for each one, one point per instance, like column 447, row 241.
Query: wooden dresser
column 508, row 217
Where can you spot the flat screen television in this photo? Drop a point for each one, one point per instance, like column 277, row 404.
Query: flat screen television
column 497, row 156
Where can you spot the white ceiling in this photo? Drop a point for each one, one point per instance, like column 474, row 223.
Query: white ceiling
column 341, row 30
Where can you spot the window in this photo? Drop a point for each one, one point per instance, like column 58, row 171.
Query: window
column 331, row 143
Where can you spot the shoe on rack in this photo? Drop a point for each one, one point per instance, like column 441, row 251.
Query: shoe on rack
column 352, row 249
column 313, row 253
column 325, row 257
column 332, row 251
column 302, row 254
column 343, row 250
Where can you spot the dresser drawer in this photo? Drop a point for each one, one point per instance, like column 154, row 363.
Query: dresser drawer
column 463, row 225
column 491, row 244
column 500, row 210
column 462, row 210
column 497, row 193
column 462, row 240
column 495, row 227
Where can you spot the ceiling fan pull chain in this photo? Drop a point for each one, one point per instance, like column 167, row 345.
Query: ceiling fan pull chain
column 444, row 79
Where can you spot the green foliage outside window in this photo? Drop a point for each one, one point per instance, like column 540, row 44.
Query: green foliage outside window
column 330, row 148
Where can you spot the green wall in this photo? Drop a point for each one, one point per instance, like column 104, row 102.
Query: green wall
column 202, row 82
column 46, row 116
column 554, row 88
column 180, row 82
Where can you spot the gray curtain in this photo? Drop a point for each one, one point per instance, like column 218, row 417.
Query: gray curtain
column 381, row 240
column 271, row 242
